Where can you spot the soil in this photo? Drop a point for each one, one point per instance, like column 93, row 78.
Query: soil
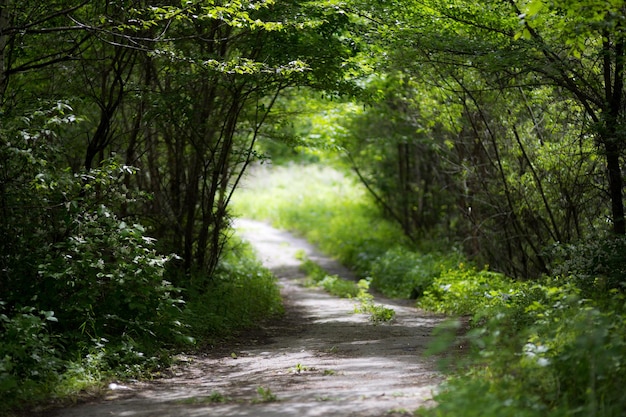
column 320, row 359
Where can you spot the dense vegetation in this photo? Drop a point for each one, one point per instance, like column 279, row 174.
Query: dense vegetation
column 488, row 137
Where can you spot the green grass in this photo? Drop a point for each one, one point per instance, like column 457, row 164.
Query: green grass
column 333, row 284
column 240, row 294
column 214, row 398
column 265, row 395
column 340, row 287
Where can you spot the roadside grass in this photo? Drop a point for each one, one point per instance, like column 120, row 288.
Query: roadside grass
column 215, row 397
column 265, row 395
column 553, row 347
column 328, row 208
column 319, row 277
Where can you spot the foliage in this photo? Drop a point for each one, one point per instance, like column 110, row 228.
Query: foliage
column 536, row 347
column 265, row 395
column 465, row 158
column 340, row 287
column 334, row 213
column 378, row 313
column 404, row 273
column 30, row 357
column 596, row 266
column 123, row 133
column 313, row 130
column 114, row 284
column 544, row 351
column 94, row 283
column 83, row 290
column 474, row 130
column 464, row 290
column 215, row 397
column 333, row 284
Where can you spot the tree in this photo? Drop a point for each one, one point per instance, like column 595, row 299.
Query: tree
column 216, row 80
column 181, row 92
column 575, row 46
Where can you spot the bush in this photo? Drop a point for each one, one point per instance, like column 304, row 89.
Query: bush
column 596, row 266
column 466, row 291
column 82, row 288
column 106, row 280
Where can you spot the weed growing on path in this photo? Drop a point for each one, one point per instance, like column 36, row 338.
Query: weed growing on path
column 214, row 398
column 335, row 285
column 378, row 312
column 265, row 395
column 299, row 368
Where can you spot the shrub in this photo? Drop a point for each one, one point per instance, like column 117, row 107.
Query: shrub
column 465, row 291
column 93, row 282
column 545, row 351
column 596, row 266
column 106, row 280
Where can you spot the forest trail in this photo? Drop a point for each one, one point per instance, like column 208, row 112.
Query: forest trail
column 321, row 359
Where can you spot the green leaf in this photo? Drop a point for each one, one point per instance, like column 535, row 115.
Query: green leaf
column 534, row 7
column 50, row 316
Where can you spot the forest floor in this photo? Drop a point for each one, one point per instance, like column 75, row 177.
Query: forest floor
column 320, row 359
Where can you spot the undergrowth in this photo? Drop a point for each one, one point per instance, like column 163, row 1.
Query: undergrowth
column 553, row 347
column 35, row 369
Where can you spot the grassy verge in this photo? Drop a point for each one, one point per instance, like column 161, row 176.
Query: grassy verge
column 554, row 347
column 334, row 212
column 323, row 205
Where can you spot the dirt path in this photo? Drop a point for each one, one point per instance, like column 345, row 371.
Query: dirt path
column 320, row 360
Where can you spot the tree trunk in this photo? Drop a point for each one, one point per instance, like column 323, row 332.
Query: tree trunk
column 616, row 186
